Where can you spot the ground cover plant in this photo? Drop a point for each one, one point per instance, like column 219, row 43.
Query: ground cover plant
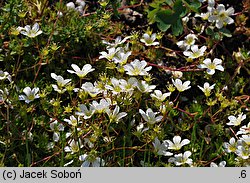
column 124, row 83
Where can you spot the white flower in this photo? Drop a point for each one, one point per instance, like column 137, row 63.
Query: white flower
column 115, row 88
column 73, row 146
column 4, row 94
column 54, row 126
column 117, row 42
column 70, row 5
column 150, row 116
column 243, row 152
column 195, row 52
column 221, row 164
column 61, row 82
column 149, row 40
column 188, row 42
column 92, row 90
column 81, row 73
column 102, row 106
column 143, row 87
column 128, row 86
column 31, row 32
column 59, row 14
column 177, row 74
column 137, row 67
column 161, row 148
column 115, row 116
column 30, row 95
column 111, row 53
column 244, row 129
column 121, row 57
column 140, row 128
column 207, row 88
column 81, row 3
column 246, row 139
column 180, row 159
column 177, row 143
column 91, row 161
column 85, row 112
column 158, row 95
column 211, row 66
column 181, row 87
column 221, row 16
column 5, row 75
column 72, row 121
column 231, row 146
column 236, row 121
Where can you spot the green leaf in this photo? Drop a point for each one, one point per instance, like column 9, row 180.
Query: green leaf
column 165, row 16
column 179, row 9
column 163, row 27
column 177, row 27
column 226, row 32
column 156, row 4
column 170, row 2
column 209, row 31
column 193, row 6
column 151, row 15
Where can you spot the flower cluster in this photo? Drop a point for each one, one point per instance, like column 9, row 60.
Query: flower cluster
column 175, row 145
column 241, row 145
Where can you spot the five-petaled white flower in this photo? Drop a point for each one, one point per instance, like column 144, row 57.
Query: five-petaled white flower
column 221, row 16
column 72, row 121
column 74, row 146
column 85, row 112
column 102, row 106
column 211, row 66
column 236, row 121
column 61, row 82
column 111, row 53
column 115, row 116
column 31, row 32
column 30, row 94
column 116, row 86
column 180, row 159
column 188, row 42
column 91, row 161
column 121, row 57
column 230, row 146
column 150, row 116
column 137, row 67
column 161, row 148
column 91, row 89
column 149, row 40
column 243, row 151
column 221, row 164
column 81, row 73
column 144, row 87
column 195, row 52
column 181, row 87
column 177, row 143
column 207, row 88
column 158, row 95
